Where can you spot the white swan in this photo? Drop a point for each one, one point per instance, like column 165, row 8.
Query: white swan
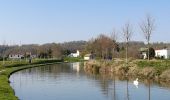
column 136, row 82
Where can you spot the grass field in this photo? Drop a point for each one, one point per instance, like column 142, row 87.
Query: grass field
column 156, row 64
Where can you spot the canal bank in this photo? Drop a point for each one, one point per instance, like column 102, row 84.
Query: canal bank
column 68, row 81
column 6, row 91
column 157, row 70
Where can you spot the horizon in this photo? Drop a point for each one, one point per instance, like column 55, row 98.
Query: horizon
column 59, row 21
column 79, row 41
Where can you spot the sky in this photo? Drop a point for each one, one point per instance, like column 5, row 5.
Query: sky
column 47, row 21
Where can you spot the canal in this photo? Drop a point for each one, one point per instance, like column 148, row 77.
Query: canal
column 69, row 81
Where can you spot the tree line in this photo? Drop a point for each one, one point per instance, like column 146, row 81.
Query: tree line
column 104, row 46
column 107, row 46
column 49, row 50
column 95, row 46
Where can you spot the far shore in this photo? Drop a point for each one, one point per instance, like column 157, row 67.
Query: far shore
column 158, row 70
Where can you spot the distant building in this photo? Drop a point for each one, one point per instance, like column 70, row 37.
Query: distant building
column 143, row 52
column 21, row 55
column 33, row 56
column 163, row 53
column 88, row 57
column 77, row 54
column 16, row 56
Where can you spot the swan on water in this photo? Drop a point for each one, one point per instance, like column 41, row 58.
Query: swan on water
column 135, row 82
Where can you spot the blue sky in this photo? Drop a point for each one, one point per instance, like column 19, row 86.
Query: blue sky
column 45, row 21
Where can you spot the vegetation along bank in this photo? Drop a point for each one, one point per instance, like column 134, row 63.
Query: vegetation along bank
column 158, row 70
column 6, row 92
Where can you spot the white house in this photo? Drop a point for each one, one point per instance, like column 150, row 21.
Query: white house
column 162, row 53
column 33, row 56
column 77, row 54
column 16, row 56
column 143, row 52
column 87, row 57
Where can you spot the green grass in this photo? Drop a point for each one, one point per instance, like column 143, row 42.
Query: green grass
column 6, row 92
column 160, row 65
column 73, row 59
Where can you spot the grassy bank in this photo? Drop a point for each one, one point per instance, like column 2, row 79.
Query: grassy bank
column 73, row 59
column 154, row 69
column 6, row 92
column 157, row 68
column 156, row 64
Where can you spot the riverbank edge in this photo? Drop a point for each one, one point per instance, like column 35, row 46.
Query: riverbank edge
column 10, row 94
column 133, row 70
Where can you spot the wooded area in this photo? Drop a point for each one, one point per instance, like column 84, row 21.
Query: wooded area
column 102, row 46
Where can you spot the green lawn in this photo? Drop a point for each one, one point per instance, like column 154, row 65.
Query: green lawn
column 73, row 59
column 160, row 65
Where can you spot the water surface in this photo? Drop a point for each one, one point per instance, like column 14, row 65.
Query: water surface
column 68, row 81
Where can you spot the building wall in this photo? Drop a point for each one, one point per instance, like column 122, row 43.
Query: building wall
column 77, row 54
column 162, row 53
column 144, row 55
column 168, row 54
column 15, row 56
column 86, row 58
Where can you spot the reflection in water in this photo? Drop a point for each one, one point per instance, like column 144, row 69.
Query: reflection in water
column 143, row 92
column 135, row 82
column 127, row 86
column 76, row 66
column 149, row 90
column 114, row 83
column 68, row 81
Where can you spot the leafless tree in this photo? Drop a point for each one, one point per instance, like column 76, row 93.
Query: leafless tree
column 114, row 37
column 147, row 27
column 4, row 45
column 127, row 32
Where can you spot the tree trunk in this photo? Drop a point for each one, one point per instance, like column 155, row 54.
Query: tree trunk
column 148, row 51
column 126, row 54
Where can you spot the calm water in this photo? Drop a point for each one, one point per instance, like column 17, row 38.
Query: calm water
column 70, row 82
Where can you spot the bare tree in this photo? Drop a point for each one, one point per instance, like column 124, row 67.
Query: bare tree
column 127, row 32
column 114, row 38
column 113, row 35
column 3, row 54
column 147, row 27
